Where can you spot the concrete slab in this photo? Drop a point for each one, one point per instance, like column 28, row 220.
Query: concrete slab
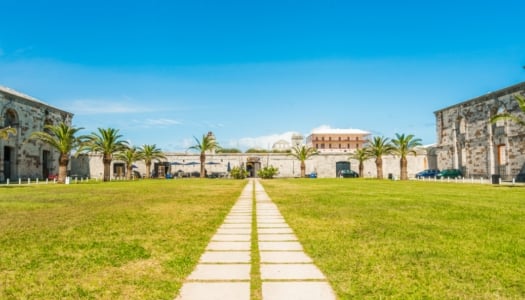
column 290, row 272
column 215, row 291
column 226, row 257
column 284, row 257
column 277, row 237
column 274, row 230
column 234, row 231
column 236, row 226
column 229, row 246
column 297, row 291
column 221, row 272
column 273, row 225
column 280, row 246
column 231, row 238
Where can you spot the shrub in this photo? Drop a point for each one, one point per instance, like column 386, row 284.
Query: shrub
column 238, row 173
column 268, row 172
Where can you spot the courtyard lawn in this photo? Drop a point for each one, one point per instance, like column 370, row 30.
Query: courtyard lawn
column 125, row 240
column 409, row 240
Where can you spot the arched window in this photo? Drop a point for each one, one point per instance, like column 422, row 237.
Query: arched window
column 501, row 110
column 462, row 126
column 10, row 118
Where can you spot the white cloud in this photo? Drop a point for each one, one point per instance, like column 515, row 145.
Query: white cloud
column 262, row 142
column 161, row 122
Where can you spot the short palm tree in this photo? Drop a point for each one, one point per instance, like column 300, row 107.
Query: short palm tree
column 403, row 146
column 149, row 154
column 361, row 155
column 378, row 147
column 303, row 153
column 207, row 143
column 507, row 116
column 129, row 155
column 62, row 138
column 5, row 132
column 107, row 142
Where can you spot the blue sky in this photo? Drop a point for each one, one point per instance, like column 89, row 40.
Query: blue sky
column 255, row 71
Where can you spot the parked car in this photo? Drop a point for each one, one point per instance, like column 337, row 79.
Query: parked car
column 349, row 174
column 449, row 173
column 428, row 173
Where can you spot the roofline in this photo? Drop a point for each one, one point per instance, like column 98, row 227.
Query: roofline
column 491, row 95
column 26, row 97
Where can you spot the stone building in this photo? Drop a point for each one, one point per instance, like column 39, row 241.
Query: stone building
column 337, row 140
column 469, row 141
column 21, row 157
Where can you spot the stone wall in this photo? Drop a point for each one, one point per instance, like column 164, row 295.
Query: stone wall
column 20, row 156
column 324, row 164
column 468, row 141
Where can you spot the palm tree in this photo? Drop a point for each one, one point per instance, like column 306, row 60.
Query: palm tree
column 507, row 116
column 403, row 146
column 61, row 137
column 107, row 142
column 361, row 155
column 302, row 153
column 377, row 148
column 129, row 156
column 5, row 132
column 208, row 143
column 150, row 153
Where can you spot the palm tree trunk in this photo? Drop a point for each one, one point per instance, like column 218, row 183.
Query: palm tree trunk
column 379, row 167
column 148, row 169
column 107, row 167
column 361, row 169
column 130, row 171
column 203, row 160
column 403, row 164
column 62, row 168
column 303, row 169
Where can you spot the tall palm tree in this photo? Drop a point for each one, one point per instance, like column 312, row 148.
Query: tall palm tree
column 507, row 116
column 107, row 142
column 5, row 132
column 361, row 155
column 303, row 153
column 377, row 148
column 62, row 138
column 403, row 146
column 208, row 143
column 129, row 155
column 150, row 153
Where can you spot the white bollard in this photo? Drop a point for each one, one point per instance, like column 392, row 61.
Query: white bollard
column 67, row 180
column 513, row 181
column 47, row 180
column 28, row 180
column 7, row 181
column 54, row 180
column 37, row 180
column 499, row 179
column 19, row 180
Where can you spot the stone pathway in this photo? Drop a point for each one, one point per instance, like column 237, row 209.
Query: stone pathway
column 224, row 269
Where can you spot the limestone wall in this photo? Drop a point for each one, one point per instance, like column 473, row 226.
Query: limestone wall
column 20, row 156
column 324, row 164
column 467, row 140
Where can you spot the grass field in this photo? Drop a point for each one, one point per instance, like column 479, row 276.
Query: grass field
column 409, row 240
column 119, row 240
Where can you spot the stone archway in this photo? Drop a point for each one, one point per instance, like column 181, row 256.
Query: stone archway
column 253, row 165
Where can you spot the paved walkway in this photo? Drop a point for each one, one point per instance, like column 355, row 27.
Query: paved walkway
column 286, row 272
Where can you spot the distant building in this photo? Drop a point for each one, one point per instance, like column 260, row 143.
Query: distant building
column 337, row 140
column 21, row 157
column 281, row 145
column 469, row 141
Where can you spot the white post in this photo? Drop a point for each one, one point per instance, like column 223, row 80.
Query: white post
column 47, row 180
column 37, row 180
column 513, row 181
column 499, row 179
column 54, row 180
column 19, row 180
column 7, row 181
column 28, row 180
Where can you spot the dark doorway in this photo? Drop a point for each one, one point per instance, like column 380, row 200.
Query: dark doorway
column 253, row 165
column 8, row 153
column 46, row 156
column 340, row 166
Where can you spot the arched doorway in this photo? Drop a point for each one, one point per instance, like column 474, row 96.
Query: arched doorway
column 253, row 165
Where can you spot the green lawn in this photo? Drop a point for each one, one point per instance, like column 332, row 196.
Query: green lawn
column 107, row 240
column 409, row 240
